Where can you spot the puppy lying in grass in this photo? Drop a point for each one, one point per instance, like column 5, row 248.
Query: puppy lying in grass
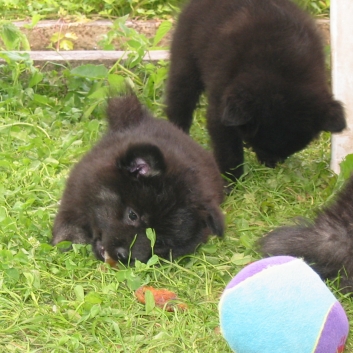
column 143, row 173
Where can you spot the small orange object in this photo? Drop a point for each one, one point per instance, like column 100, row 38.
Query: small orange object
column 109, row 260
column 162, row 298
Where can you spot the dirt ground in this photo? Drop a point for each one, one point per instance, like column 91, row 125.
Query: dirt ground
column 90, row 33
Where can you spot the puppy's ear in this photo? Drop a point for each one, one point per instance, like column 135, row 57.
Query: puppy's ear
column 215, row 220
column 124, row 111
column 143, row 160
column 334, row 120
column 235, row 112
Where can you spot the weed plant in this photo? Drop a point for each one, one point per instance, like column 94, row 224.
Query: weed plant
column 53, row 301
column 45, row 9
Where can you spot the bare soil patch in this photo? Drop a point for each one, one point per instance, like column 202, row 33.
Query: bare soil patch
column 88, row 33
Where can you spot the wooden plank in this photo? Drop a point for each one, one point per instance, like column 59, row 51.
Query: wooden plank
column 101, row 56
column 342, row 75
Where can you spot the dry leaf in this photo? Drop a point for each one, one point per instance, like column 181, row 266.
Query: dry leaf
column 162, row 297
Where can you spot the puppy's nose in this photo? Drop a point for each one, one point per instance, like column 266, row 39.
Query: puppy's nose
column 122, row 254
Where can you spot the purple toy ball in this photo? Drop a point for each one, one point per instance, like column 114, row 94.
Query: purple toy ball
column 279, row 304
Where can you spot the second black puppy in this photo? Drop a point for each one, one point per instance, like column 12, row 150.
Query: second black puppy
column 261, row 63
column 326, row 245
column 144, row 173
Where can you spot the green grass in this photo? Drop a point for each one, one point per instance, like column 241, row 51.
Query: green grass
column 46, row 9
column 66, row 302
column 63, row 302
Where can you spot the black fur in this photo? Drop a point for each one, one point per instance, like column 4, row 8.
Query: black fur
column 261, row 63
column 144, row 173
column 326, row 245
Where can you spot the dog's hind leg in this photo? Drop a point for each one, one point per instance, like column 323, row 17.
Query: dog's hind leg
column 184, row 88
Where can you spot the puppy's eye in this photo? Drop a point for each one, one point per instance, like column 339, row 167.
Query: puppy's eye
column 132, row 215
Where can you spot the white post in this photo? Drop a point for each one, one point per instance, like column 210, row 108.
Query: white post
column 341, row 27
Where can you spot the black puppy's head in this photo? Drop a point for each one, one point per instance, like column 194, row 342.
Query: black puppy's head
column 139, row 192
column 278, row 118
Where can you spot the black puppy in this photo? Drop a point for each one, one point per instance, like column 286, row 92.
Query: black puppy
column 326, row 245
column 261, row 63
column 144, row 173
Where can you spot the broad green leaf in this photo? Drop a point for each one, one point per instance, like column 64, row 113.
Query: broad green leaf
column 3, row 214
column 90, row 71
column 163, row 29
column 346, row 169
column 70, row 35
column 9, row 56
column 36, row 279
column 41, row 99
column 34, row 20
column 121, row 276
column 209, row 248
column 51, row 161
column 13, row 273
column 116, row 328
column 35, row 79
column 347, row 166
column 133, row 44
column 87, row 113
column 101, row 93
column 4, row 164
column 246, row 241
column 63, row 245
column 30, row 278
column 56, row 37
column 66, row 44
column 241, row 259
column 93, row 297
column 153, row 260
column 5, row 256
column 134, row 282
column 151, row 235
column 13, row 38
column 95, row 310
column 79, row 293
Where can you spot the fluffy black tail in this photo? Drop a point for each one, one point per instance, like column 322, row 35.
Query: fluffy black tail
column 326, row 244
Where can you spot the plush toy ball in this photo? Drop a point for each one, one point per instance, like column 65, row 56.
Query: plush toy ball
column 280, row 305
